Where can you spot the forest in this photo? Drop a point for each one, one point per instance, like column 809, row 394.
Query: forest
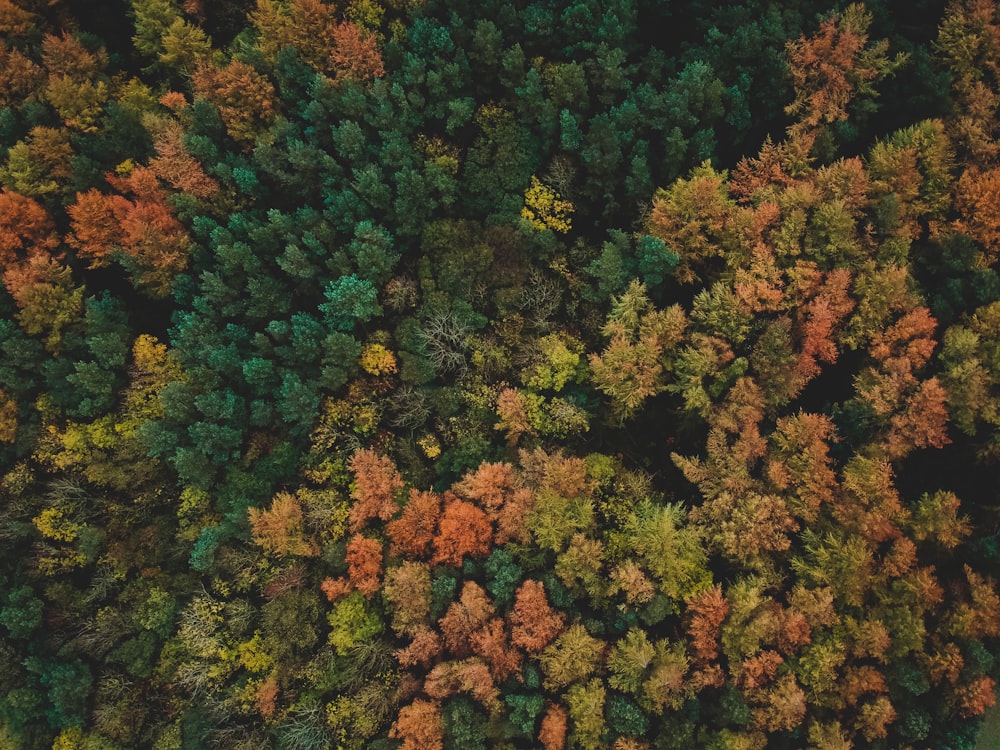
column 466, row 374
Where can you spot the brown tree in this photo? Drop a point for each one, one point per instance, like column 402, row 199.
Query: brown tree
column 96, row 231
column 464, row 617
column 489, row 484
column 976, row 697
column 423, row 649
column 833, row 66
column 140, row 222
column 20, row 78
column 174, row 165
column 492, row 642
column 408, row 590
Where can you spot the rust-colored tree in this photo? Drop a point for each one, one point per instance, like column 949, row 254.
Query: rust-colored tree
column 412, row 534
column 819, row 320
column 364, row 564
column 95, row 222
column 706, row 610
column 489, row 484
column 425, row 646
column 355, row 55
column 533, row 621
column 552, row 733
column 833, row 66
column 25, row 229
column 419, row 726
column 376, row 482
column 139, row 222
column 464, row 530
column 492, row 642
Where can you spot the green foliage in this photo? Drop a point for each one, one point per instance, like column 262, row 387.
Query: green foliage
column 352, row 620
column 22, row 612
column 464, row 725
column 349, row 299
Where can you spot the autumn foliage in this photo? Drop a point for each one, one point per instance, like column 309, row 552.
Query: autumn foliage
column 321, row 425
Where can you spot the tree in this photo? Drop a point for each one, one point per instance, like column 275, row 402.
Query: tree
column 355, row 55
column 408, row 589
column 533, row 621
column 376, row 482
column 144, row 228
column 74, row 88
column 707, row 611
column 279, row 529
column 631, row 368
column 352, row 620
column 49, row 302
column 818, row 321
column 349, row 299
column 184, row 47
column 419, row 726
column 552, row 733
column 973, row 699
column 785, row 706
column 544, row 209
column 306, row 25
column 492, row 642
column 424, row 649
column 21, row 79
column 573, row 656
column 489, row 484
column 364, row 564
column 629, row 661
column 463, row 530
column 152, row 19
column 41, row 164
column 25, row 228
column 833, row 66
column 8, row 418
column 464, row 618
column 174, row 165
column 412, row 534
column 669, row 550
column 799, row 463
column 967, row 41
column 95, row 227
column 694, row 218
column 245, row 98
column 586, row 710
